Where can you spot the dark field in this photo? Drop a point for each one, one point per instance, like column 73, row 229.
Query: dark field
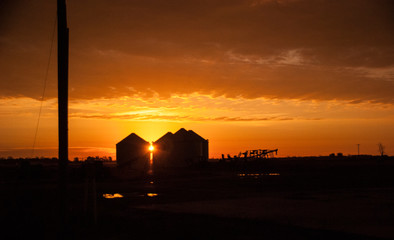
column 300, row 198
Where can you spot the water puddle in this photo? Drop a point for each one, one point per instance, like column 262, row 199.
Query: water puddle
column 110, row 196
column 152, row 194
column 130, row 195
column 256, row 175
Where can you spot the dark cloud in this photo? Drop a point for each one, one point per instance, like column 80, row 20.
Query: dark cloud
column 279, row 49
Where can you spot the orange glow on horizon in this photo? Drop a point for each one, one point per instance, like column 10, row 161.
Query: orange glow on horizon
column 227, row 128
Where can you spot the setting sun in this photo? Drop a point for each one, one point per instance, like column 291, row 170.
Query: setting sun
column 151, row 148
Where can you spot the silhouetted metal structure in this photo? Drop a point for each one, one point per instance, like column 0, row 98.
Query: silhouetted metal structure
column 132, row 151
column 164, row 148
column 180, row 149
column 252, row 155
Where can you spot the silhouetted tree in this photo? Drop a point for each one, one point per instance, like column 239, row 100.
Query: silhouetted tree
column 381, row 149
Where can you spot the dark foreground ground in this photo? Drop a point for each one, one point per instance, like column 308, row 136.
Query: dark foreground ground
column 344, row 198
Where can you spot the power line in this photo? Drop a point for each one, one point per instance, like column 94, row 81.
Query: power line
column 45, row 86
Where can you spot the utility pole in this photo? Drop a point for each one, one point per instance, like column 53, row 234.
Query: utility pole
column 358, row 149
column 62, row 61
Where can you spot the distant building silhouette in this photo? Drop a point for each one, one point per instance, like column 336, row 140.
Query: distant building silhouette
column 180, row 149
column 132, row 151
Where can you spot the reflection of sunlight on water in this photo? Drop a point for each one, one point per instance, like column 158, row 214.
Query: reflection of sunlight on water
column 256, row 175
column 150, row 170
column 131, row 195
column 115, row 195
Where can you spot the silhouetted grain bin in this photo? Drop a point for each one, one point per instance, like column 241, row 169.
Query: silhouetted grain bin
column 132, row 151
column 164, row 147
column 180, row 149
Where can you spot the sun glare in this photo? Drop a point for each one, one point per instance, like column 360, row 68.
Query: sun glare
column 151, row 148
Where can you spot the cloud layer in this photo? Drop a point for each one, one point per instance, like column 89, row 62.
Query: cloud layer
column 296, row 49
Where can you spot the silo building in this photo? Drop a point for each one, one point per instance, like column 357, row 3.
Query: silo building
column 183, row 148
column 132, row 151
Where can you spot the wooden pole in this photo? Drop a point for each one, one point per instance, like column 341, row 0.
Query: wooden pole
column 62, row 31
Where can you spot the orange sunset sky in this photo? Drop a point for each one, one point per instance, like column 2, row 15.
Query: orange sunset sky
column 310, row 77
